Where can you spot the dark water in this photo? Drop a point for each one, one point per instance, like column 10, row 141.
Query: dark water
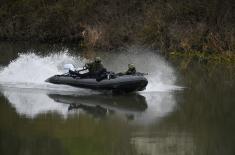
column 38, row 118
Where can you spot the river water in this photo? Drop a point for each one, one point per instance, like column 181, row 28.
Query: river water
column 188, row 111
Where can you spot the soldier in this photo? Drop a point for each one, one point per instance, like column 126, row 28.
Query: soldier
column 131, row 69
column 95, row 66
column 95, row 70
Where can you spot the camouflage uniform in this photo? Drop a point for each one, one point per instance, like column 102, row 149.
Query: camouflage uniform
column 94, row 67
column 131, row 69
column 96, row 70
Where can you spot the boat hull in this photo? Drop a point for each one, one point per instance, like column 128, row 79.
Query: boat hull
column 126, row 83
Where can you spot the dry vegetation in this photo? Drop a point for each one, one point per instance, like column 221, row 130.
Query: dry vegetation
column 170, row 25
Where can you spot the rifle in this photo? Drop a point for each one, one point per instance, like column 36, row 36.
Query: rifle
column 141, row 74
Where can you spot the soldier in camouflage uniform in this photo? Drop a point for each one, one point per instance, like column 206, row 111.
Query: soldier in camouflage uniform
column 95, row 70
column 131, row 70
column 95, row 66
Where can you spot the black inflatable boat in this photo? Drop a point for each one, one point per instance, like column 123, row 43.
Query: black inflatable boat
column 124, row 83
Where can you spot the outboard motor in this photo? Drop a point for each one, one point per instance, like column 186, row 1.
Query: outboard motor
column 68, row 67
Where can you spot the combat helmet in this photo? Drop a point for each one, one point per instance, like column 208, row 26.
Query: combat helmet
column 97, row 59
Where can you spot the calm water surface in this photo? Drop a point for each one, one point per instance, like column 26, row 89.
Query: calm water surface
column 181, row 112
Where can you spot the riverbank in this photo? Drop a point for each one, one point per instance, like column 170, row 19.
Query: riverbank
column 183, row 60
column 206, row 26
column 226, row 58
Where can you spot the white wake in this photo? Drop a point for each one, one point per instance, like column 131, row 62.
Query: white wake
column 29, row 72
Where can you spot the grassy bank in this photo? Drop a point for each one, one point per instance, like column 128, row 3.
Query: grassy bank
column 185, row 61
column 187, row 25
column 204, row 57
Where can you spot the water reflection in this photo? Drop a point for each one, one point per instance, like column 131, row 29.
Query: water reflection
column 129, row 102
column 143, row 108
column 32, row 103
column 104, row 104
column 166, row 144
